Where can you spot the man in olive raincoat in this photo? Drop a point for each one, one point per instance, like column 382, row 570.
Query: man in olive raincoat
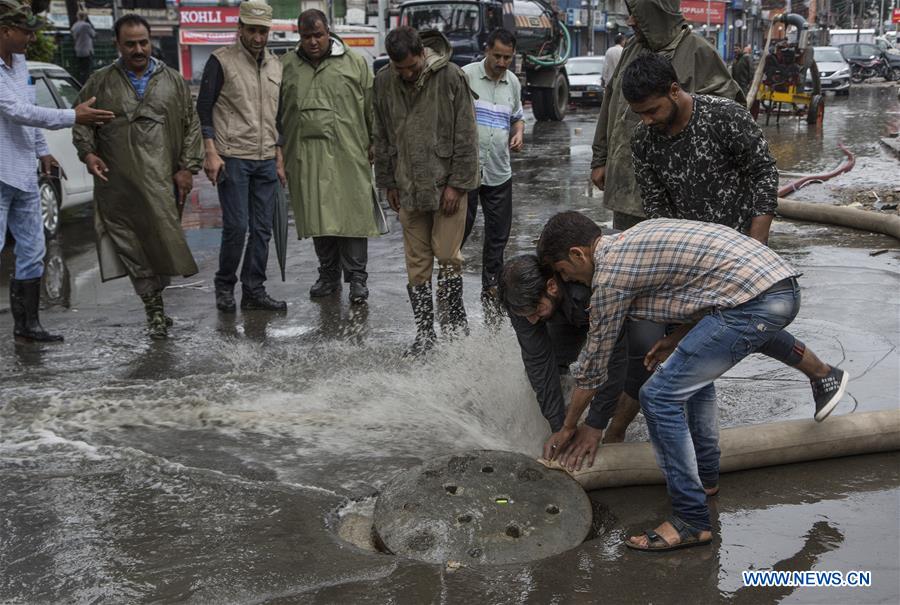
column 659, row 28
column 327, row 134
column 426, row 158
column 143, row 163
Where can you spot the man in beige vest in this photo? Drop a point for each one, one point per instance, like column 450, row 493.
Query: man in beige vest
column 237, row 105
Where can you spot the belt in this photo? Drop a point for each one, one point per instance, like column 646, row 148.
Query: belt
column 788, row 283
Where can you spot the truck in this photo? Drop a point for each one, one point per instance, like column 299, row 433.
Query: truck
column 543, row 42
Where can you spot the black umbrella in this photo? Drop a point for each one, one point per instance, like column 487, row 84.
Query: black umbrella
column 280, row 227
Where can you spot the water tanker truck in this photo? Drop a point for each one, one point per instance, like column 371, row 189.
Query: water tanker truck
column 543, row 42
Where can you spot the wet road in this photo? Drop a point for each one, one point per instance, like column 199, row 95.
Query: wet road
column 214, row 467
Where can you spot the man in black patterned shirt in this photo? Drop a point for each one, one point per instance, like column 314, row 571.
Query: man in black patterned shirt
column 698, row 157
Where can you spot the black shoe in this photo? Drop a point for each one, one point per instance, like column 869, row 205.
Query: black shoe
column 225, row 301
column 359, row 293
column 24, row 301
column 828, row 391
column 324, row 287
column 262, row 302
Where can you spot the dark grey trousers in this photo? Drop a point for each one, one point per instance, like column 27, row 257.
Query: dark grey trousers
column 496, row 205
column 347, row 254
column 624, row 221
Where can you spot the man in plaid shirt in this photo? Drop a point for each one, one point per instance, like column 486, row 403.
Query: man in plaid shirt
column 730, row 296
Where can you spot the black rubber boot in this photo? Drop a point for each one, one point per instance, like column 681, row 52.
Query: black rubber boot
column 423, row 310
column 451, row 310
column 25, row 300
column 157, row 326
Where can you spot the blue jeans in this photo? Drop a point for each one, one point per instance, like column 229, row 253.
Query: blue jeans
column 679, row 399
column 21, row 212
column 247, row 199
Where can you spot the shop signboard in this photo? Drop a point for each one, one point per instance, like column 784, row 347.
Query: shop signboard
column 221, row 17
column 207, row 38
column 695, row 11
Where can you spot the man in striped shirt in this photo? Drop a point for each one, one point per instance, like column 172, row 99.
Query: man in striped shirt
column 501, row 127
column 730, row 296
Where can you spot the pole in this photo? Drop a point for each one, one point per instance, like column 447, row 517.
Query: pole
column 881, row 19
column 708, row 9
column 382, row 25
column 757, row 76
column 591, row 27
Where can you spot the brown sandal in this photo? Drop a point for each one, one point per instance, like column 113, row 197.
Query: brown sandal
column 657, row 543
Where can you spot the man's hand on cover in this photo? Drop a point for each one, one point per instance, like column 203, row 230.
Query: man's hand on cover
column 581, row 448
column 557, row 443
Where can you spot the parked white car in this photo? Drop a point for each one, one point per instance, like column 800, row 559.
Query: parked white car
column 585, row 79
column 834, row 71
column 57, row 89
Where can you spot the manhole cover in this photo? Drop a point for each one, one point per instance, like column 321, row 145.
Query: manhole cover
column 482, row 507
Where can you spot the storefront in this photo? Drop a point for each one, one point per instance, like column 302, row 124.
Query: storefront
column 202, row 30
column 708, row 19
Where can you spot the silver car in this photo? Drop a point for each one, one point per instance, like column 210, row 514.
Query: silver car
column 834, row 71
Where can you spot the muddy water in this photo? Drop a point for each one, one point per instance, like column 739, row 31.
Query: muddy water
column 858, row 121
column 210, row 468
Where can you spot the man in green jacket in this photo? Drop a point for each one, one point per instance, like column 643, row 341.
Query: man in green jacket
column 327, row 130
column 742, row 68
column 426, row 157
column 143, row 164
column 659, row 28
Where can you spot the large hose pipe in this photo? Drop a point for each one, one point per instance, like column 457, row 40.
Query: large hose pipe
column 888, row 224
column 755, row 446
column 561, row 57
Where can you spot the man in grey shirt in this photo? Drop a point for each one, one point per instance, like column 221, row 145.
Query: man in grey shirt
column 83, row 35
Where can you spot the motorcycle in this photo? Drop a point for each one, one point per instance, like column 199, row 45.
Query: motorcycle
column 873, row 67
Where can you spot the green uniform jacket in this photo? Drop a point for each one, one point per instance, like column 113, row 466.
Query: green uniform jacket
column 425, row 132
column 144, row 146
column 326, row 125
column 699, row 68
